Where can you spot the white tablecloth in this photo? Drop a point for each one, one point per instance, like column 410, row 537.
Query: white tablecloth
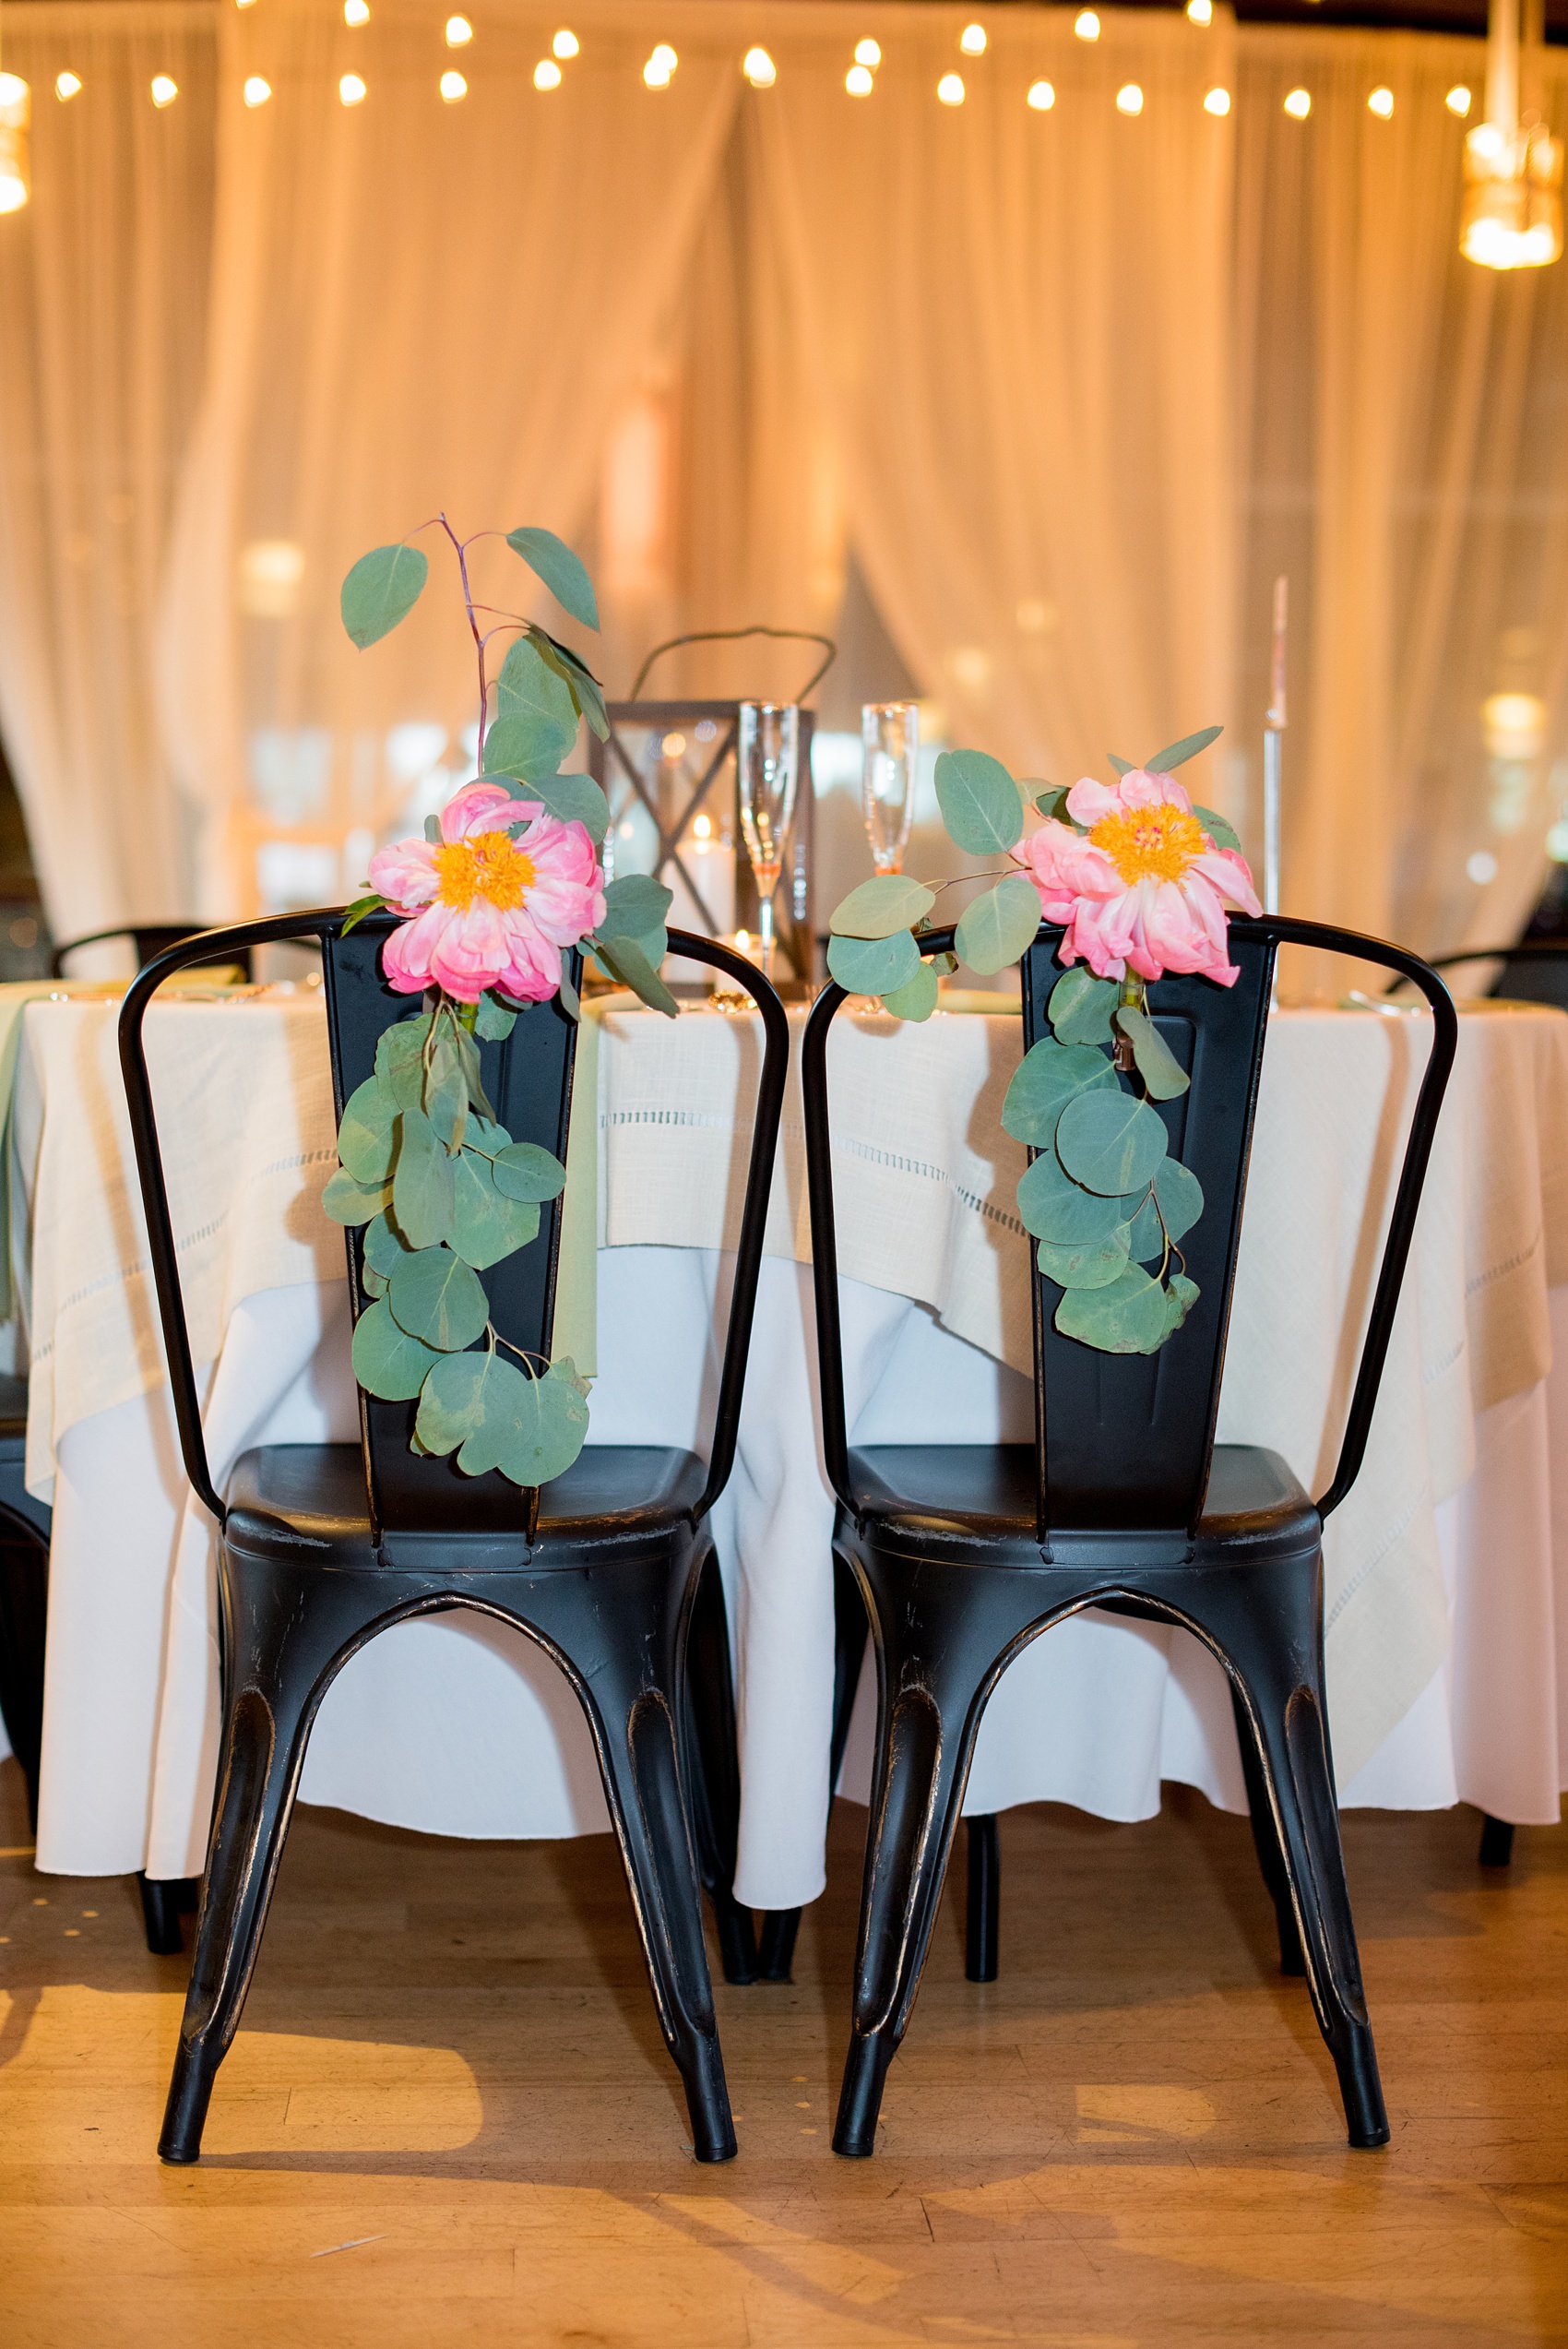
column 1447, row 1610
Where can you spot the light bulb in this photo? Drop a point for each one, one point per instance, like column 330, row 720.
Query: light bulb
column 16, row 113
column 656, row 76
column 868, row 52
column 460, row 33
column 1299, row 103
column 1129, row 99
column 1085, row 24
column 1458, row 100
column 351, row 91
column 971, row 41
column 1200, row 12
column 565, row 44
column 1381, row 103
column 257, row 92
column 664, row 56
column 547, row 74
column 66, row 85
column 453, row 86
column 355, row 12
column 857, row 82
column 759, row 69
column 1042, row 98
column 1217, row 101
column 950, row 90
column 164, row 91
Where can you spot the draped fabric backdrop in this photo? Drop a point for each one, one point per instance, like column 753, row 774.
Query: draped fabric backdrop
column 1070, row 387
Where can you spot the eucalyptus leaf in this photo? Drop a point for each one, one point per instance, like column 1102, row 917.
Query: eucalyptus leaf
column 387, row 1361
column 525, row 1170
column 1183, row 1295
column 624, row 959
column 446, row 1097
column 1158, row 1065
column 980, row 802
column 1046, row 1079
column 399, row 1060
column 873, row 966
column 1092, row 1264
column 468, row 1055
column 1053, row 803
column 452, row 1400
column 372, row 1282
column 891, row 901
column 916, row 999
column 1220, row 827
column 574, row 799
column 1081, row 1006
column 382, row 1244
column 494, row 1021
column 435, row 1296
column 421, row 1182
column 432, row 831
column 995, row 929
column 1179, row 1195
column 580, row 682
column 348, row 1202
column 635, row 906
column 566, row 992
column 364, row 1135
column 354, row 914
column 1146, row 1242
column 1056, row 1209
column 487, row 1223
column 382, row 587
column 1123, row 766
column 564, row 573
column 534, row 1435
column 1110, row 1142
column 1128, row 1315
column 529, row 744
column 529, row 686
column 1177, row 754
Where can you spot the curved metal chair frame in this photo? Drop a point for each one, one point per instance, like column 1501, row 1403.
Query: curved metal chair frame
column 323, row 1546
column 963, row 1554
column 148, row 939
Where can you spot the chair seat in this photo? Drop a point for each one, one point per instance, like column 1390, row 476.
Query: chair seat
column 937, row 1495
column 286, row 1497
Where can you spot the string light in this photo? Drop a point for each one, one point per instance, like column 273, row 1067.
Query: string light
column 351, row 91
column 1381, row 103
column 164, row 89
column 950, row 90
column 868, row 52
column 1042, row 97
column 257, row 90
column 1458, row 100
column 355, row 12
column 1217, row 101
column 460, row 33
column 1085, row 24
column 660, row 66
column 453, row 86
column 1129, row 99
column 547, row 74
column 16, row 113
column 66, row 85
column 857, row 82
column 759, row 69
column 1200, row 12
column 565, row 44
column 1299, row 103
column 971, row 41
column 1511, row 217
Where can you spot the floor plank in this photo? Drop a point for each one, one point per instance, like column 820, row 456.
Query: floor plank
column 448, row 2117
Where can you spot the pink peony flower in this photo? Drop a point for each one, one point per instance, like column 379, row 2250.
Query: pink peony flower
column 486, row 908
column 1147, row 886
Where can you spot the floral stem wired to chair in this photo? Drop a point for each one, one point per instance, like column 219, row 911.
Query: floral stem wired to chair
column 1139, row 1112
column 470, row 1487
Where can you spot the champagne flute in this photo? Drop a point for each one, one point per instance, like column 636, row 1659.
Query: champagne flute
column 890, row 739
column 768, row 751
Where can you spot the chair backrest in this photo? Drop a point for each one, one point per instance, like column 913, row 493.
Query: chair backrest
column 148, row 939
column 1090, row 1475
column 528, row 1080
column 1536, row 970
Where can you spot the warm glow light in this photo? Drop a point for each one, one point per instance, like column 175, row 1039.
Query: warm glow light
column 1201, row 12
column 16, row 112
column 1217, row 101
column 1299, row 103
column 659, row 67
column 1511, row 213
column 857, row 82
column 453, row 86
column 547, row 74
column 1129, row 99
column 565, row 44
column 950, row 90
column 1381, row 103
column 351, row 89
column 1514, row 724
column 164, row 91
column 759, row 69
column 971, row 41
column 1458, row 100
column 66, row 85
column 868, row 52
column 460, row 33
column 1085, row 24
column 702, row 827
column 1042, row 98
column 355, row 12
column 664, row 56
column 257, row 92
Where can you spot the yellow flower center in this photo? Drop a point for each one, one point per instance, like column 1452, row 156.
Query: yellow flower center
column 1149, row 844
column 486, row 864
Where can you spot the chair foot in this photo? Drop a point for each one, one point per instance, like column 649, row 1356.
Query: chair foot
column 708, row 2100
column 1366, row 2118
column 984, row 1921
column 164, row 1901
column 737, row 1938
column 777, row 1954
column 1496, row 1842
column 185, row 2115
column 859, row 2099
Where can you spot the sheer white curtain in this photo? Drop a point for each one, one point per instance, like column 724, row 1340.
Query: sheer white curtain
column 102, row 301
column 415, row 305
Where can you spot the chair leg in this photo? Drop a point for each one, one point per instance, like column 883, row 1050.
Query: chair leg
column 164, row 1901
column 780, row 1925
column 24, row 1610
column 1496, row 1842
column 1265, row 1841
column 1281, row 1684
column 984, row 1922
column 714, row 1772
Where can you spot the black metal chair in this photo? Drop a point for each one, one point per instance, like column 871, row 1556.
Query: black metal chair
column 322, row 1546
column 965, row 1553
column 148, row 938
column 25, row 1526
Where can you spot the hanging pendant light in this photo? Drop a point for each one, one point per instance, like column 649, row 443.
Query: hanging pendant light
column 16, row 113
column 1511, row 216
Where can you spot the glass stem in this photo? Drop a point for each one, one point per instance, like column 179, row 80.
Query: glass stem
column 765, row 924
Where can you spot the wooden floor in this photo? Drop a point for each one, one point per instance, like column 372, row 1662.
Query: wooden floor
column 449, row 2118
